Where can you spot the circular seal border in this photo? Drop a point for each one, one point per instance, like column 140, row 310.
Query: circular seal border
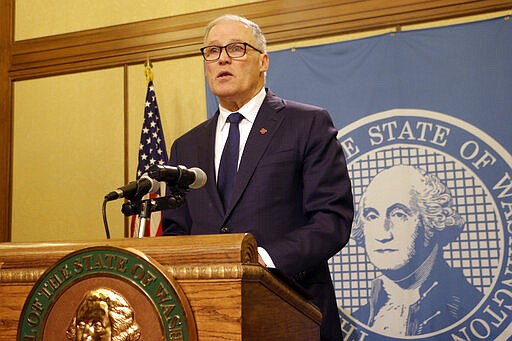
column 129, row 265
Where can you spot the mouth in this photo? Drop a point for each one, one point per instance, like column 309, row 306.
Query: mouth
column 385, row 251
column 224, row 74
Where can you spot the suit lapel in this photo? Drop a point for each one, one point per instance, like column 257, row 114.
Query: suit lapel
column 264, row 127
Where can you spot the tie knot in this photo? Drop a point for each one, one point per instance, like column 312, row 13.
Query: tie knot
column 235, row 117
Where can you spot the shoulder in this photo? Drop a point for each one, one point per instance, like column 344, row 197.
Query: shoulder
column 450, row 285
column 198, row 131
column 295, row 105
column 281, row 103
column 297, row 110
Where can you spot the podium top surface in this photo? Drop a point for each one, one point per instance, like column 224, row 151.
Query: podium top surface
column 177, row 250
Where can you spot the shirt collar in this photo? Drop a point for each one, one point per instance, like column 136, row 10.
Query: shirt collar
column 249, row 110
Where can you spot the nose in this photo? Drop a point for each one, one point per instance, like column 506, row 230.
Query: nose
column 384, row 234
column 88, row 333
column 224, row 58
column 86, row 337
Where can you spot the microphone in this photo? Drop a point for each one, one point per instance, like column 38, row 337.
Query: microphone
column 178, row 176
column 135, row 189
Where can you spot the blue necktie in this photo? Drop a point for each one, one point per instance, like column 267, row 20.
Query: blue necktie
column 229, row 160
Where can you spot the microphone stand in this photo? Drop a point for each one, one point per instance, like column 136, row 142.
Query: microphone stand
column 144, row 208
column 145, row 214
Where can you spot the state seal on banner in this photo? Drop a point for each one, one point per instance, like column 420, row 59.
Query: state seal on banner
column 106, row 293
column 429, row 255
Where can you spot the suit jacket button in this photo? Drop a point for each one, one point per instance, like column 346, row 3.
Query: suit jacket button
column 300, row 276
column 225, row 229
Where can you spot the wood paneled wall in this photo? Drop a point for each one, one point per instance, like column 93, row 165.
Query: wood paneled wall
column 179, row 36
column 6, row 37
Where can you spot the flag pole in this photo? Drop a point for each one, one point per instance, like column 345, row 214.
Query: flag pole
column 148, row 70
column 145, row 212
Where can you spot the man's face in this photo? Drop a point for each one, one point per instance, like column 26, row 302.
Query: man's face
column 92, row 321
column 235, row 80
column 393, row 230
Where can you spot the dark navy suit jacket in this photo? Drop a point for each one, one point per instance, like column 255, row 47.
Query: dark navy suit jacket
column 292, row 192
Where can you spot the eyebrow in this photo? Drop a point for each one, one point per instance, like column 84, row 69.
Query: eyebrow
column 368, row 210
column 217, row 43
column 399, row 206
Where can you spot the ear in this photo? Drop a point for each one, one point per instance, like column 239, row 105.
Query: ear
column 264, row 62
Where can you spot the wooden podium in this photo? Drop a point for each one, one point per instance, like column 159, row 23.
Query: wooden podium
column 230, row 295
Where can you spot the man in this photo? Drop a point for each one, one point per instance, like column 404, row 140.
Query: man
column 404, row 219
column 103, row 315
column 291, row 190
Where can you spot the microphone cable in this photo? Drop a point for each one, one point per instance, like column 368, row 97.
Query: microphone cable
column 104, row 213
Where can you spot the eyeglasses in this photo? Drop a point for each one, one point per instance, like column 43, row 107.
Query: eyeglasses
column 234, row 50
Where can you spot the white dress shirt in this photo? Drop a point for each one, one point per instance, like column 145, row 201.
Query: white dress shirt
column 249, row 111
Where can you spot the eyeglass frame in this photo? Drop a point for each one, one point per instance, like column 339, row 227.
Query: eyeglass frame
column 245, row 44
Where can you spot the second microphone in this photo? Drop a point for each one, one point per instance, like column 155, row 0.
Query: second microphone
column 180, row 176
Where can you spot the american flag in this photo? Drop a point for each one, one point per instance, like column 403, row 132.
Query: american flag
column 152, row 151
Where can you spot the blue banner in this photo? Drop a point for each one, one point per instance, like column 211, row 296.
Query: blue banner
column 425, row 119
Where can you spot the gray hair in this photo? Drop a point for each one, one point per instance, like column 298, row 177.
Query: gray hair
column 434, row 202
column 261, row 41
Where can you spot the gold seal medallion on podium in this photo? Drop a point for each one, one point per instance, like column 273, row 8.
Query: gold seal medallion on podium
column 106, row 293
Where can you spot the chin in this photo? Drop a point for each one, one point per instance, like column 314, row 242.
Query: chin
column 387, row 265
column 224, row 92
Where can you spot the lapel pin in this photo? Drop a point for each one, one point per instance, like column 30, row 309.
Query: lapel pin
column 263, row 131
